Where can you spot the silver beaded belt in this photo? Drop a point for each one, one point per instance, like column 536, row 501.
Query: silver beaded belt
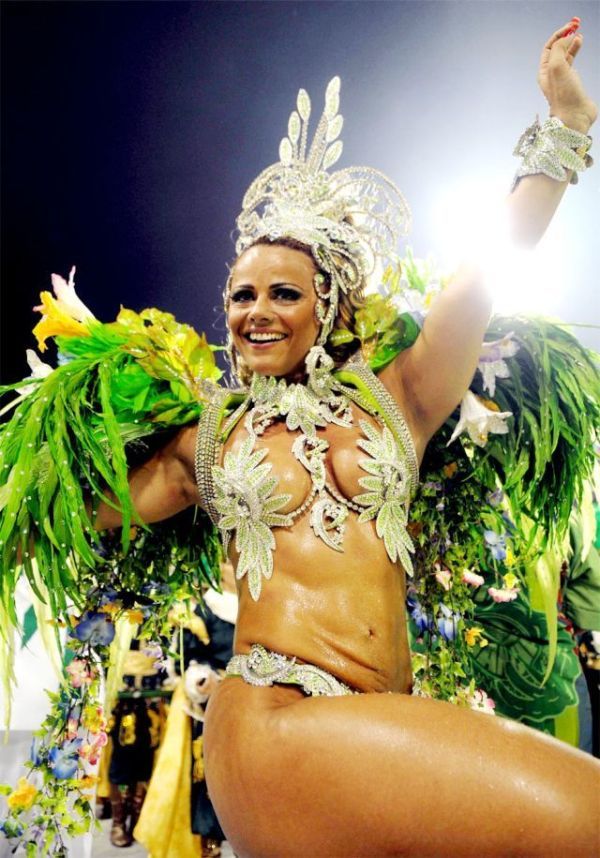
column 262, row 667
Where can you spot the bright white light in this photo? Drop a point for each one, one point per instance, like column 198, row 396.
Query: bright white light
column 469, row 224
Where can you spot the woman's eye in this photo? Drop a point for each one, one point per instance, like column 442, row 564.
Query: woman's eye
column 241, row 295
column 286, row 294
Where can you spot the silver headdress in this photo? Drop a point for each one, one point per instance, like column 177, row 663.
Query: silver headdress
column 351, row 219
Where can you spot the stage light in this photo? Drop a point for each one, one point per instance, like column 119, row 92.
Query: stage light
column 469, row 224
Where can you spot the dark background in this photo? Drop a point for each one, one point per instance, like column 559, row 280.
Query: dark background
column 131, row 130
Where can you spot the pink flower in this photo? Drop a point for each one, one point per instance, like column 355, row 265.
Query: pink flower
column 443, row 577
column 472, row 578
column 503, row 595
column 72, row 728
column 90, row 751
column 481, row 702
column 80, row 673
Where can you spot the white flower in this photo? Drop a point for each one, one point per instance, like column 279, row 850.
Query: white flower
column 38, row 368
column 67, row 298
column 479, row 701
column 491, row 361
column 478, row 420
column 505, row 594
column 472, row 578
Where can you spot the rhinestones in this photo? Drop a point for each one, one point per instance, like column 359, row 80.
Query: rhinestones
column 262, row 668
column 240, row 495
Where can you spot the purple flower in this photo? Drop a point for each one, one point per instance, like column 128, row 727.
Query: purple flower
column 495, row 498
column 421, row 618
column 94, row 628
column 447, row 622
column 496, row 542
column 35, row 754
column 108, row 596
column 64, row 760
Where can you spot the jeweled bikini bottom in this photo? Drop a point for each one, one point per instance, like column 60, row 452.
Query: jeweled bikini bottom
column 262, row 667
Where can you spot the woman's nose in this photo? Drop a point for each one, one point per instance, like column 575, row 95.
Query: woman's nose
column 260, row 310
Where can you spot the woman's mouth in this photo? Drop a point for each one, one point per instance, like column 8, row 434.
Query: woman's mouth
column 264, row 339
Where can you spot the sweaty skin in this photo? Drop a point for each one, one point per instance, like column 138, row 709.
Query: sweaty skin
column 373, row 774
column 343, row 611
column 377, row 774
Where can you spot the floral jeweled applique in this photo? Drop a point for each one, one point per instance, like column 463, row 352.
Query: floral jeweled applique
column 244, row 498
column 387, row 495
column 243, row 486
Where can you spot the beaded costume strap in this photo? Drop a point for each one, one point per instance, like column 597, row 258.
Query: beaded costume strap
column 208, row 440
column 371, row 394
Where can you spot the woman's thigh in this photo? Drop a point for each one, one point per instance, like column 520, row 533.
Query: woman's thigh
column 381, row 775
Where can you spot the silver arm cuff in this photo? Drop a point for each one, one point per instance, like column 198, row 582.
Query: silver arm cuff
column 552, row 149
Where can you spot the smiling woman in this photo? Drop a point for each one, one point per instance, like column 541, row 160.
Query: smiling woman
column 271, row 305
column 314, row 744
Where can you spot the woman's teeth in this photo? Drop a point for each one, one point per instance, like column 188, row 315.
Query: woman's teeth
column 255, row 337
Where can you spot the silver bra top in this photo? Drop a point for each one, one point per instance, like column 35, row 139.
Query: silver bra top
column 239, row 495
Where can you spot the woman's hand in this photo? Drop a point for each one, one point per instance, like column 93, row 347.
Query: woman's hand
column 561, row 84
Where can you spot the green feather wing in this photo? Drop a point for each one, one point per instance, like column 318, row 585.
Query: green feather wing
column 70, row 437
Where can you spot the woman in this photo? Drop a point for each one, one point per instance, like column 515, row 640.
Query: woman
column 313, row 743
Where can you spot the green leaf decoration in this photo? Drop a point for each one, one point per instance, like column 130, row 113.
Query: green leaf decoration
column 513, row 666
column 69, row 442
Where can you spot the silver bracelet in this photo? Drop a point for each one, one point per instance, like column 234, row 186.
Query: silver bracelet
column 552, row 149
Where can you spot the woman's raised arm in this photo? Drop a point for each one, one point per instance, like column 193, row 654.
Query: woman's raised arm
column 162, row 486
column 431, row 377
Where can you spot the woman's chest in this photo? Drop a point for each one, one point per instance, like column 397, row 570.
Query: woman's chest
column 334, row 457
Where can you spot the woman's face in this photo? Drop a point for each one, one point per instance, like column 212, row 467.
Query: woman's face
column 271, row 313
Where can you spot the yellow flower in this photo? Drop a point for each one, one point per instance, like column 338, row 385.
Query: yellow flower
column 93, row 719
column 88, row 782
column 55, row 321
column 134, row 615
column 474, row 635
column 510, row 580
column 23, row 796
column 510, row 559
column 110, row 608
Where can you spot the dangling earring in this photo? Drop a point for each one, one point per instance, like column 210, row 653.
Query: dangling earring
column 322, row 310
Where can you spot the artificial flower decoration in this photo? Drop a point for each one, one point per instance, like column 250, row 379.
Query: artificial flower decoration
column 23, row 796
column 38, row 368
column 472, row 578
column 503, row 594
column 474, row 635
column 447, row 622
column 443, row 577
column 509, row 591
column 64, row 760
column 496, row 542
column 63, row 314
column 491, row 361
column 481, row 702
column 92, row 718
column 479, row 420
column 421, row 618
column 68, row 300
column 94, row 628
column 88, row 781
column 79, row 673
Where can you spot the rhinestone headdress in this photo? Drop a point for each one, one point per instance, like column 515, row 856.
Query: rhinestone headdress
column 351, row 219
